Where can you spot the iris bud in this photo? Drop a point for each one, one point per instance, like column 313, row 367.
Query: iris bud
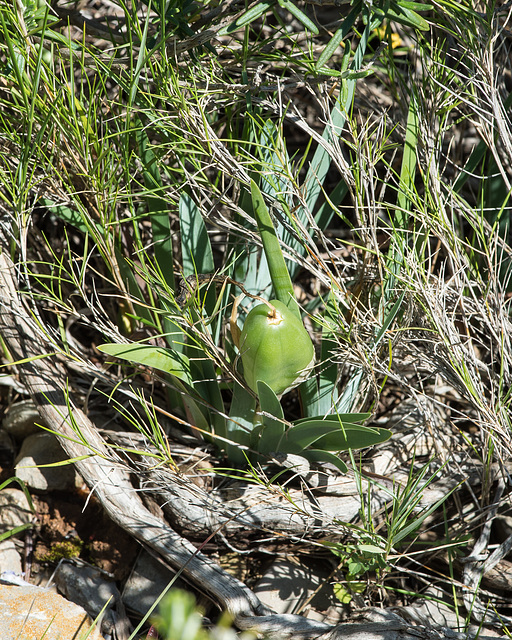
column 275, row 348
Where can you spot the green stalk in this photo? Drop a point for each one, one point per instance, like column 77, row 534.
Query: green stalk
column 279, row 275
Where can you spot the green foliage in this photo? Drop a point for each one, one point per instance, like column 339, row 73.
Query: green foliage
column 279, row 275
column 271, row 432
column 179, row 618
column 159, row 358
column 373, row 553
column 317, row 439
column 295, row 155
column 274, row 360
column 62, row 550
column 360, row 558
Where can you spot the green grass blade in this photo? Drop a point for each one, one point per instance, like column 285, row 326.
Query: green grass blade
column 346, row 400
column 404, row 16
column 140, row 60
column 326, row 210
column 197, row 258
column 477, row 155
column 405, row 198
column 127, row 273
column 328, row 373
column 250, row 266
column 207, row 387
column 157, row 209
column 242, row 415
column 275, row 182
column 353, row 437
column 303, row 435
column 300, row 15
column 388, row 320
column 17, row 61
column 339, row 36
column 332, row 435
column 249, row 16
column 336, row 418
column 408, row 170
column 309, row 397
column 161, row 230
column 319, row 166
column 419, row 519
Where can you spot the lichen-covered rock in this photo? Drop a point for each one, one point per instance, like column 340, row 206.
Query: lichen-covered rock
column 32, row 613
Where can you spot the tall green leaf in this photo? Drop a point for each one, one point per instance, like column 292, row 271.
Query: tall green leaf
column 272, row 418
column 157, row 208
column 319, row 166
column 197, row 254
column 159, row 358
column 281, row 280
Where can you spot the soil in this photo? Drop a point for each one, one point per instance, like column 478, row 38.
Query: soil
column 74, row 525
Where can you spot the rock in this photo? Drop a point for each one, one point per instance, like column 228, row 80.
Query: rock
column 286, row 586
column 503, row 527
column 22, row 420
column 10, row 560
column 14, row 510
column 147, row 581
column 86, row 586
column 6, row 449
column 33, row 613
column 43, row 449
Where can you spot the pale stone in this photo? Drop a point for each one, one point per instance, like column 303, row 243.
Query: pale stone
column 22, row 420
column 10, row 560
column 287, row 586
column 14, row 509
column 43, row 449
column 86, row 586
column 32, row 613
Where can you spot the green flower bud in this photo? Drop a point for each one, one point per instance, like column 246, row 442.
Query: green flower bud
column 275, row 348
